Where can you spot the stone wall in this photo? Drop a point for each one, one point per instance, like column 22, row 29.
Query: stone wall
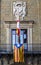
column 33, row 13
column 40, row 18
column 0, row 22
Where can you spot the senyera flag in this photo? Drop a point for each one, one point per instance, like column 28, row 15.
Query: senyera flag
column 18, row 31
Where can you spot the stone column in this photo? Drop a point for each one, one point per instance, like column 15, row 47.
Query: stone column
column 29, row 39
column 7, row 35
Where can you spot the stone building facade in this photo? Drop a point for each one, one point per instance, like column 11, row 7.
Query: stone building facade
column 8, row 20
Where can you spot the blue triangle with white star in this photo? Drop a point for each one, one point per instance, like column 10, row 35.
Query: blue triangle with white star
column 18, row 45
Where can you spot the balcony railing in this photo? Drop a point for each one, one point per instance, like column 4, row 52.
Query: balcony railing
column 31, row 48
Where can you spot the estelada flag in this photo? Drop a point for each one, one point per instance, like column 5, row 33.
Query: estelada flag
column 18, row 31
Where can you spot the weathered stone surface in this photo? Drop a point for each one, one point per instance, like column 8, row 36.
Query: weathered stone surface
column 33, row 13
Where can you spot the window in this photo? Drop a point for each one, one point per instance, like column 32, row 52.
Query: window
column 23, row 37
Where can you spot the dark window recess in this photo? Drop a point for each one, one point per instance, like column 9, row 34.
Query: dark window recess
column 25, row 36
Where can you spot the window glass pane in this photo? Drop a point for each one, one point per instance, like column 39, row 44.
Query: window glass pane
column 13, row 39
column 21, row 32
column 13, row 32
column 25, row 36
column 21, row 39
column 16, row 39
